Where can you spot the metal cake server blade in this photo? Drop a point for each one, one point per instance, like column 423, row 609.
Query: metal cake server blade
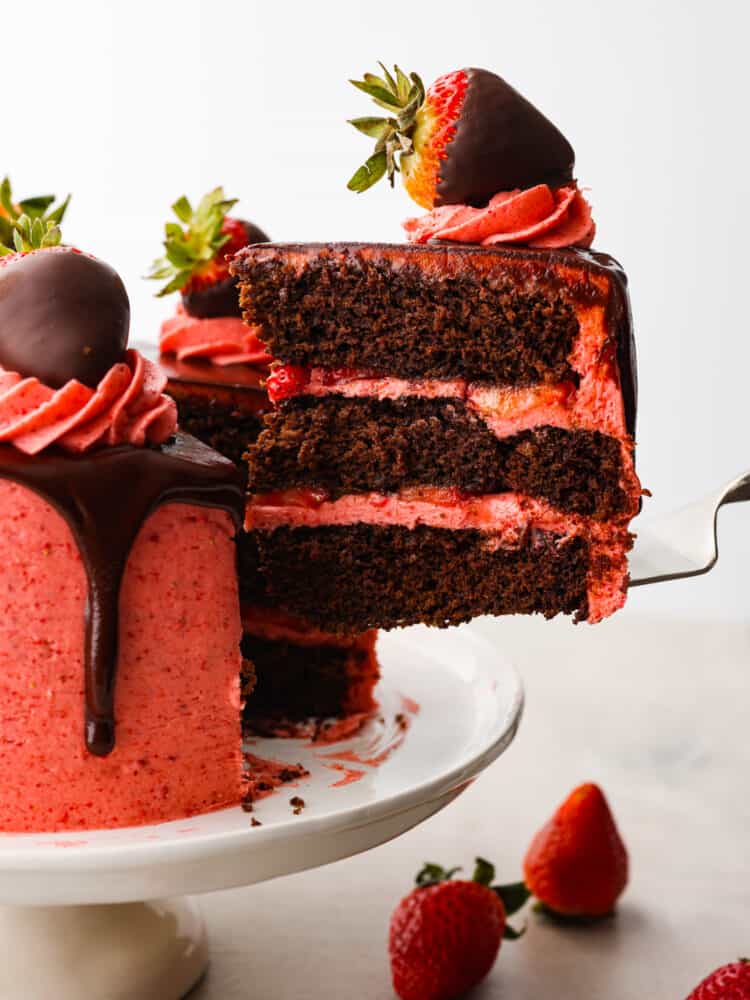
column 684, row 542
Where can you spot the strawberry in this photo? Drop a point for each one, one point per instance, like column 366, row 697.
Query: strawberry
column 730, row 982
column 445, row 935
column 197, row 252
column 30, row 224
column 577, row 864
column 464, row 139
column 286, row 381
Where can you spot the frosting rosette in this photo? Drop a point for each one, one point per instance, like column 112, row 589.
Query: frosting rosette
column 539, row 216
column 128, row 406
column 222, row 340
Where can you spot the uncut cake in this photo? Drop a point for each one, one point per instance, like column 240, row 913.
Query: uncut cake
column 216, row 367
column 119, row 638
column 454, row 425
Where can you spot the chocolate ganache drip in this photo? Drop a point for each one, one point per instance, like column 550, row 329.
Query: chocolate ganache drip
column 106, row 496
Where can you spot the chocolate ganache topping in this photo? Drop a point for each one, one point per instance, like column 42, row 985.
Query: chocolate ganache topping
column 106, row 494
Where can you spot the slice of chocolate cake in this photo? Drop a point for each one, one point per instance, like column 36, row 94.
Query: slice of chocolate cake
column 454, row 434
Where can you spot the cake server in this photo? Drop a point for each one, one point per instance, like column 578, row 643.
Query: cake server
column 683, row 542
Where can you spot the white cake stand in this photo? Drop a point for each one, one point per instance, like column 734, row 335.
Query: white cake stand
column 74, row 924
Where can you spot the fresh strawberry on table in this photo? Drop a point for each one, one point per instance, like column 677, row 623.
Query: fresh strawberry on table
column 730, row 982
column 577, row 864
column 445, row 935
column 197, row 251
column 460, row 141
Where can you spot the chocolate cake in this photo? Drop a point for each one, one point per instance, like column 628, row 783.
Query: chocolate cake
column 454, row 433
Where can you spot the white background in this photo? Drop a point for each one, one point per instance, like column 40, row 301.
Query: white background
column 131, row 104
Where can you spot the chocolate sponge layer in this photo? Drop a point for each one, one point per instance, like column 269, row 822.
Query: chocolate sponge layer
column 355, row 577
column 296, row 682
column 361, row 312
column 359, row 445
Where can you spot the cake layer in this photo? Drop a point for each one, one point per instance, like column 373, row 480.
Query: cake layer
column 495, row 315
column 356, row 445
column 225, row 419
column 349, row 577
column 299, row 676
column 507, row 523
column 177, row 700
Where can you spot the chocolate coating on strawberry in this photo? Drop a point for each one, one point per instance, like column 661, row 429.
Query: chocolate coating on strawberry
column 63, row 315
column 221, row 298
column 501, row 142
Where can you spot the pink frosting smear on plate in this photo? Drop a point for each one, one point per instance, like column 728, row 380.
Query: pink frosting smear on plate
column 177, row 700
column 537, row 217
column 128, row 406
column 222, row 340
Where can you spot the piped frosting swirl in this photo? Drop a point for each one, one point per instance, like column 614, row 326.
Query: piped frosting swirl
column 128, row 406
column 539, row 217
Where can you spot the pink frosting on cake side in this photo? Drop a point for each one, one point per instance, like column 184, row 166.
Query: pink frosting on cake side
column 177, row 698
column 127, row 407
column 536, row 217
column 222, row 340
column 506, row 517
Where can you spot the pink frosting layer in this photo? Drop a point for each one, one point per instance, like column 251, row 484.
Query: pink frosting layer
column 536, row 217
column 222, row 340
column 177, row 703
column 127, row 407
column 506, row 518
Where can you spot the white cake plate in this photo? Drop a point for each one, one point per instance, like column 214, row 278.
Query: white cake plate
column 74, row 924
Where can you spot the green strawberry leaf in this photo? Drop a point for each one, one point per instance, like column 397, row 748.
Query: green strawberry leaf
column 6, row 199
column 374, row 127
column 21, row 222
column 484, row 872
column 183, row 210
column 369, row 173
column 391, row 83
column 401, row 95
column 57, row 214
column 36, row 207
column 513, row 896
column 193, row 241
column 404, row 85
column 432, row 874
column 379, row 94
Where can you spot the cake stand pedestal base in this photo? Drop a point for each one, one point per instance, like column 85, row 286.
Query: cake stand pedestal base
column 120, row 951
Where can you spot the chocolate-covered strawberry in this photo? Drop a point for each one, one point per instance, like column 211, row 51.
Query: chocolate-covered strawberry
column 197, row 251
column 17, row 218
column 461, row 140
column 63, row 314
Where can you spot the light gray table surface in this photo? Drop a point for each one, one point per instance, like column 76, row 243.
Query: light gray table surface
column 656, row 708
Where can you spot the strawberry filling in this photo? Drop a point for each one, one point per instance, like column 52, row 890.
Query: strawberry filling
column 536, row 217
